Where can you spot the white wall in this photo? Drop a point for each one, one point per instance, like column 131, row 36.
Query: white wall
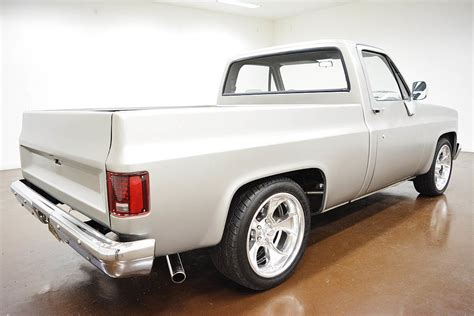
column 119, row 55
column 84, row 56
column 2, row 148
column 431, row 42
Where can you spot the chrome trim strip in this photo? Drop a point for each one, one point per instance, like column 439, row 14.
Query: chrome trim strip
column 335, row 206
column 368, row 194
column 116, row 259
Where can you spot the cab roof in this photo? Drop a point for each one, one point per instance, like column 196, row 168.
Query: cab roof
column 298, row 46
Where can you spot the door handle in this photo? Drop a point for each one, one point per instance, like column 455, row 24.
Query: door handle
column 378, row 110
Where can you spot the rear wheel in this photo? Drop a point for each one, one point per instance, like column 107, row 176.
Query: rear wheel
column 265, row 234
column 436, row 180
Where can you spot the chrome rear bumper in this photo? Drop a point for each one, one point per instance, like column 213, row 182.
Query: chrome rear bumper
column 116, row 259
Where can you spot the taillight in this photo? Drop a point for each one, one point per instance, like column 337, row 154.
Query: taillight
column 128, row 193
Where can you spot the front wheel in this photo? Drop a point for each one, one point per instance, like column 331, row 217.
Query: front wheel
column 436, row 180
column 265, row 235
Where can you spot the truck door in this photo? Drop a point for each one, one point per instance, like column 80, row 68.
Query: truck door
column 393, row 123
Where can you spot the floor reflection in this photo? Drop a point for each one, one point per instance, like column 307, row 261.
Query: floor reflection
column 439, row 223
column 285, row 305
column 392, row 253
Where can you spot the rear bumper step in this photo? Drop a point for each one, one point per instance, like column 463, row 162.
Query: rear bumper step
column 116, row 259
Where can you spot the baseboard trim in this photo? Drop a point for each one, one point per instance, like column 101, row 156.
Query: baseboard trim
column 10, row 166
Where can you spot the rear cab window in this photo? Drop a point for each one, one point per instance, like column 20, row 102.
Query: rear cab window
column 317, row 70
column 254, row 78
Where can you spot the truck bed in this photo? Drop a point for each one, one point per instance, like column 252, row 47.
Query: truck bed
column 215, row 148
column 64, row 152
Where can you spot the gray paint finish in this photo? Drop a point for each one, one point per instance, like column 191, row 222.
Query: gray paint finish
column 198, row 157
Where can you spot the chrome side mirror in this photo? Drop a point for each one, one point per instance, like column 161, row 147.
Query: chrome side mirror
column 419, row 90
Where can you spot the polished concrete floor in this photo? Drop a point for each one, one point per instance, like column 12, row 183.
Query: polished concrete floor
column 394, row 253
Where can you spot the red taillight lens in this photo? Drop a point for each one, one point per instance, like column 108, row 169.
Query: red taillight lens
column 128, row 193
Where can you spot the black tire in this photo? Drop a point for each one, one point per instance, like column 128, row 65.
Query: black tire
column 230, row 255
column 425, row 184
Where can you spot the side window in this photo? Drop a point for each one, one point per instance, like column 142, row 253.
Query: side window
column 403, row 89
column 382, row 80
column 401, row 82
column 254, row 79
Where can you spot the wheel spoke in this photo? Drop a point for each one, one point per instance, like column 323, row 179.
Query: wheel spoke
column 287, row 224
column 277, row 240
column 272, row 206
column 275, row 255
column 253, row 252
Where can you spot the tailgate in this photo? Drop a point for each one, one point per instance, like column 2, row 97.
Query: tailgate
column 64, row 153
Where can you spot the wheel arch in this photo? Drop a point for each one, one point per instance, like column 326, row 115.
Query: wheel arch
column 450, row 135
column 307, row 178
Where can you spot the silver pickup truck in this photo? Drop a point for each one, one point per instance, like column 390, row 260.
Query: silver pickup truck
column 297, row 130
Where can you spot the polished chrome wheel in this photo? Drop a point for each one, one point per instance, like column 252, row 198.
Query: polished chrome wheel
column 442, row 167
column 275, row 235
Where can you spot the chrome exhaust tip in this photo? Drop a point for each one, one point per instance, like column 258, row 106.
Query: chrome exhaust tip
column 176, row 268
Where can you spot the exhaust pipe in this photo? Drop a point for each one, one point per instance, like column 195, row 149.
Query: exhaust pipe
column 176, row 268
